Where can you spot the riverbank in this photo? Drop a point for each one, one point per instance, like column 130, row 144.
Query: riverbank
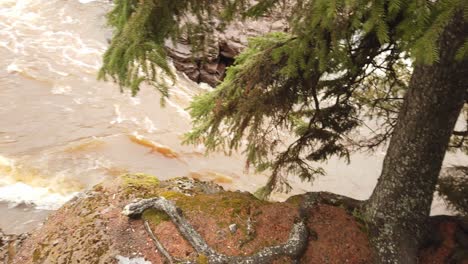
column 92, row 228
column 66, row 132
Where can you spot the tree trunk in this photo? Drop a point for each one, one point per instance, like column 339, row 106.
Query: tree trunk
column 400, row 204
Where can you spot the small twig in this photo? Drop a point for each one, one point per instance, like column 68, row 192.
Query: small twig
column 158, row 244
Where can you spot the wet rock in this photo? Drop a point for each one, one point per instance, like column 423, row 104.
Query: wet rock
column 221, row 48
column 9, row 246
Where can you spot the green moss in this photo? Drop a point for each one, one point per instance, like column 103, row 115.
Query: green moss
column 222, row 224
column 172, row 195
column 218, row 205
column 140, row 180
column 202, row 259
column 227, row 207
column 140, row 184
column 154, row 217
column 232, row 203
column 262, row 193
column 362, row 220
column 295, row 200
column 36, row 255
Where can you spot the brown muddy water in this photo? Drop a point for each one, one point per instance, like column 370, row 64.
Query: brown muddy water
column 62, row 131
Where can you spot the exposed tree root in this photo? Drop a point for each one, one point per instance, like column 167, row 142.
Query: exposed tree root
column 158, row 244
column 313, row 198
column 294, row 247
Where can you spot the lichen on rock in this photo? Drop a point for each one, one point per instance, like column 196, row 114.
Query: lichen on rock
column 92, row 229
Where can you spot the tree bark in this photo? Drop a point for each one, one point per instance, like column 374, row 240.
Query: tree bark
column 399, row 207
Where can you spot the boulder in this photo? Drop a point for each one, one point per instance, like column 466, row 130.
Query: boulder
column 92, row 229
column 96, row 227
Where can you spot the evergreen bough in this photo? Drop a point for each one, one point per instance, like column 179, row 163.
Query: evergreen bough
column 341, row 63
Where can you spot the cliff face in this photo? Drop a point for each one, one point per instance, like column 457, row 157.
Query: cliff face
column 222, row 47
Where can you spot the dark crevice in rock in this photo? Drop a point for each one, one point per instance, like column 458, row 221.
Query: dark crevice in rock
column 223, row 45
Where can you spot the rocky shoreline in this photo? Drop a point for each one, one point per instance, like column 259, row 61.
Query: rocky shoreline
column 92, row 228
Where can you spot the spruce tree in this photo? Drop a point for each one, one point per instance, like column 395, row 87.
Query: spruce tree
column 343, row 61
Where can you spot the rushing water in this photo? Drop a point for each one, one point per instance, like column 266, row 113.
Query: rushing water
column 62, row 131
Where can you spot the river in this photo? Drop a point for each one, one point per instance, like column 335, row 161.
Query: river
column 62, row 131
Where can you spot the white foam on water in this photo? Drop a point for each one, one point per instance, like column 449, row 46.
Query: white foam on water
column 135, row 101
column 35, row 27
column 78, row 101
column 15, row 193
column 52, row 69
column 48, row 41
column 6, row 162
column 39, row 197
column 13, row 68
column 61, row 90
column 118, row 115
column 181, row 111
column 86, row 1
column 149, row 125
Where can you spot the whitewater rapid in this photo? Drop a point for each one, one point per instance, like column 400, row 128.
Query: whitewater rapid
column 62, row 131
